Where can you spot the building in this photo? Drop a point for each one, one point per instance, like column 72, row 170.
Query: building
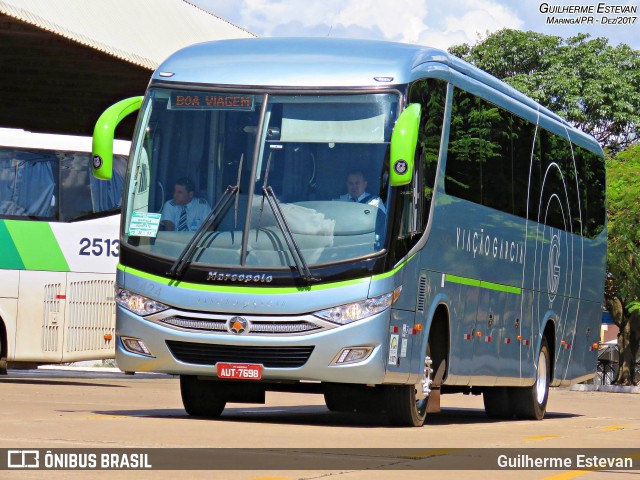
column 64, row 61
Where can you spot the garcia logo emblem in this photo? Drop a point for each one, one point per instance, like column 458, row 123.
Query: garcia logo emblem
column 553, row 269
column 97, row 161
column 238, row 325
column 400, row 167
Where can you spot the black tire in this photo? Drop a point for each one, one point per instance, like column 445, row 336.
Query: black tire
column 497, row 402
column 338, row 403
column 407, row 404
column 3, row 360
column 201, row 398
column 353, row 398
column 530, row 403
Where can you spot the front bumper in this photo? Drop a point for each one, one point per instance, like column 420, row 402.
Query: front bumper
column 324, row 344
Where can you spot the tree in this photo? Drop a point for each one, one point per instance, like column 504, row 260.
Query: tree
column 622, row 292
column 593, row 85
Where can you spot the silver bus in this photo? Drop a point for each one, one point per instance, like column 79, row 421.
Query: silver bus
column 376, row 222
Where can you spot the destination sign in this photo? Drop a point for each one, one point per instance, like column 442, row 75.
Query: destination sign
column 211, row 101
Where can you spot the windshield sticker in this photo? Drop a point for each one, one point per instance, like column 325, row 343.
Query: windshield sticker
column 144, row 224
column 211, row 101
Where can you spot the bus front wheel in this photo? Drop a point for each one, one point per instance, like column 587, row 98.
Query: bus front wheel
column 407, row 404
column 201, row 398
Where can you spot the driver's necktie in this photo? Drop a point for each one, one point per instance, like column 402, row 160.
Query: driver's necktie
column 182, row 222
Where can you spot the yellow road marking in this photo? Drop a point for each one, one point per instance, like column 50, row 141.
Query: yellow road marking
column 429, row 453
column 578, row 473
column 613, row 427
column 569, row 475
column 541, row 437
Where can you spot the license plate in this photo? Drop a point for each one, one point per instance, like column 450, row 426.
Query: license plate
column 239, row 371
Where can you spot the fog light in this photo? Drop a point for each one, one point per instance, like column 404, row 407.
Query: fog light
column 353, row 355
column 135, row 345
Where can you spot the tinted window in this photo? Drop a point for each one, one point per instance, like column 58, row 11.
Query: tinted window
column 591, row 171
column 496, row 159
column 489, row 154
column 431, row 95
column 55, row 185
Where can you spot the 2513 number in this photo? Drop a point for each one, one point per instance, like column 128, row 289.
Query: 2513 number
column 99, row 246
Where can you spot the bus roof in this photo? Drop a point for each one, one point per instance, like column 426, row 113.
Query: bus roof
column 296, row 62
column 13, row 137
column 326, row 63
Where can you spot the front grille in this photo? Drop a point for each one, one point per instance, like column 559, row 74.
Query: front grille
column 271, row 357
column 258, row 327
column 197, row 324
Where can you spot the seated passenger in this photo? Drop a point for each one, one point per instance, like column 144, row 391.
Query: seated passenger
column 184, row 212
column 356, row 191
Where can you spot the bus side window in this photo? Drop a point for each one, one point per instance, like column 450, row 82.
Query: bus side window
column 431, row 95
column 28, row 183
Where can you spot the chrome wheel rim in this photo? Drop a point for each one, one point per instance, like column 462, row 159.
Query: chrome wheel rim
column 541, row 381
column 423, row 387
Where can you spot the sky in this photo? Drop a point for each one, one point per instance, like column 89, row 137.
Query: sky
column 435, row 23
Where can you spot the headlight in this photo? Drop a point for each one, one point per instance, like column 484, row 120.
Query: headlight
column 358, row 310
column 138, row 304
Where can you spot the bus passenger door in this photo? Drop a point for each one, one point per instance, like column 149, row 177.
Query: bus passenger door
column 40, row 324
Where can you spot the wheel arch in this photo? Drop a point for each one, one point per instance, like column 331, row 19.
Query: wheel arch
column 439, row 335
column 549, row 333
column 4, row 343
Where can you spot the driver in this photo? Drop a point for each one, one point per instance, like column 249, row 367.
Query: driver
column 357, row 191
column 185, row 212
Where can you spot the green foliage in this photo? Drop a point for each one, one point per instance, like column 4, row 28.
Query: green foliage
column 595, row 86
column 623, row 258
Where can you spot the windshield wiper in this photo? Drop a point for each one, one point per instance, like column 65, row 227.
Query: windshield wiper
column 181, row 262
column 296, row 254
column 183, row 259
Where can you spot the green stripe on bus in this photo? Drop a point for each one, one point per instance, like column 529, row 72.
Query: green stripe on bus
column 500, row 288
column 482, row 284
column 394, row 271
column 462, row 280
column 234, row 289
column 37, row 246
column 9, row 258
column 259, row 290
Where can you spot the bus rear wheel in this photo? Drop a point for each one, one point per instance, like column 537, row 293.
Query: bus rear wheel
column 201, row 398
column 497, row 402
column 407, row 404
column 530, row 403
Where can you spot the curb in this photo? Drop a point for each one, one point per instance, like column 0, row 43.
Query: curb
column 81, row 369
column 605, row 388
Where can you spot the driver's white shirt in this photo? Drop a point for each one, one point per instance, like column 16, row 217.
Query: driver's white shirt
column 197, row 211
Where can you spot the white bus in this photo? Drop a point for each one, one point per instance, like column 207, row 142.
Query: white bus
column 59, row 244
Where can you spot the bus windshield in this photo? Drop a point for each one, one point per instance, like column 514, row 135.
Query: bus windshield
column 301, row 172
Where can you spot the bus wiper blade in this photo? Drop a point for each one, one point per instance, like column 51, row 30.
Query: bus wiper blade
column 296, row 254
column 179, row 265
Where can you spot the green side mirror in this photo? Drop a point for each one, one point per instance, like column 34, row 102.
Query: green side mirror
column 102, row 150
column 404, row 141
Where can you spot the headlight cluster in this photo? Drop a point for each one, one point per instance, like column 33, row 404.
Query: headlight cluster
column 352, row 312
column 138, row 304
